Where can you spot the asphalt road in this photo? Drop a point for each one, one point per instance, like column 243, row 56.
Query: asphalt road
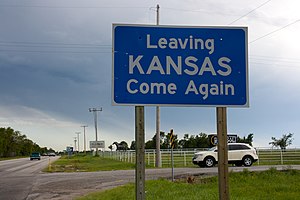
column 19, row 175
column 23, row 179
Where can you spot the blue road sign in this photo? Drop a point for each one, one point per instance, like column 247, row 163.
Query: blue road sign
column 69, row 149
column 180, row 66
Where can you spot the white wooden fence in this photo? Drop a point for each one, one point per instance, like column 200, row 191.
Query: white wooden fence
column 183, row 158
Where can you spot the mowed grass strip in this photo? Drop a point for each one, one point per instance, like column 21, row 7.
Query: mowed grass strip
column 12, row 158
column 87, row 163
column 271, row 184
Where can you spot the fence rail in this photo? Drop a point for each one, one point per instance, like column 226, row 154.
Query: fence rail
column 183, row 158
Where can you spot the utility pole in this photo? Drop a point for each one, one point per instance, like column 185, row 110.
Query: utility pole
column 84, row 139
column 95, row 110
column 157, row 14
column 75, row 143
column 78, row 140
column 158, row 157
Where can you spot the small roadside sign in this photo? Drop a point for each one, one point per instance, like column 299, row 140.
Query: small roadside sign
column 172, row 139
column 97, row 144
column 69, row 149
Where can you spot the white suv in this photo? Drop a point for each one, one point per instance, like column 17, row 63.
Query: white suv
column 238, row 154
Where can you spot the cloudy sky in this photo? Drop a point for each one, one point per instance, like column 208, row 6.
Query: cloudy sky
column 56, row 63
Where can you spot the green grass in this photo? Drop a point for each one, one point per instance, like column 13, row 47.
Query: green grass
column 157, row 190
column 11, row 158
column 271, row 184
column 268, row 185
column 125, row 160
column 82, row 163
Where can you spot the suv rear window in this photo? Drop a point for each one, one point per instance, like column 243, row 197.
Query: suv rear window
column 237, row 147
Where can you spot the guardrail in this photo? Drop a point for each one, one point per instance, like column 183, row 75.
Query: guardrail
column 183, row 158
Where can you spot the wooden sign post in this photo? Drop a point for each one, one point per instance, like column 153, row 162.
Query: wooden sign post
column 140, row 152
column 222, row 153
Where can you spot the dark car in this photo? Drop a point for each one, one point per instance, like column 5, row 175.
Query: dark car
column 35, row 155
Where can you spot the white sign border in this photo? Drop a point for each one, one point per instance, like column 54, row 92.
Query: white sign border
column 245, row 29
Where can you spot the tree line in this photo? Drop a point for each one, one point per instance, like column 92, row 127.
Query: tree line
column 188, row 141
column 200, row 141
column 13, row 143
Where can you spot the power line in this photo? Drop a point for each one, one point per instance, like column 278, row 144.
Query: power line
column 283, row 59
column 45, row 47
column 42, row 51
column 185, row 10
column 53, row 43
column 282, row 63
column 108, row 46
column 48, row 46
column 71, row 7
column 275, row 62
column 276, row 65
column 261, row 5
column 272, row 32
column 198, row 11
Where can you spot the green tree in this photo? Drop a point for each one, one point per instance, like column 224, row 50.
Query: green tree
column 283, row 142
column 43, row 150
column 248, row 139
column 183, row 142
column 51, row 150
column 13, row 143
column 151, row 144
column 132, row 146
column 202, row 141
column 122, row 146
column 8, row 143
column 26, row 147
column 198, row 141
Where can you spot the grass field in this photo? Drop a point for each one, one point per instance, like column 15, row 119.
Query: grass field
column 82, row 163
column 247, row 185
column 126, row 160
column 268, row 185
column 11, row 158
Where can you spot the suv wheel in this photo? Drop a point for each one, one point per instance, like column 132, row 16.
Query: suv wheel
column 209, row 162
column 247, row 161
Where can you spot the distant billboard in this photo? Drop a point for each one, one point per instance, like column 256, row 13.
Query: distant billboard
column 213, row 139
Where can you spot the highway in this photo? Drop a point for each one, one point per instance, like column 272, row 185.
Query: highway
column 18, row 176
column 23, row 179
